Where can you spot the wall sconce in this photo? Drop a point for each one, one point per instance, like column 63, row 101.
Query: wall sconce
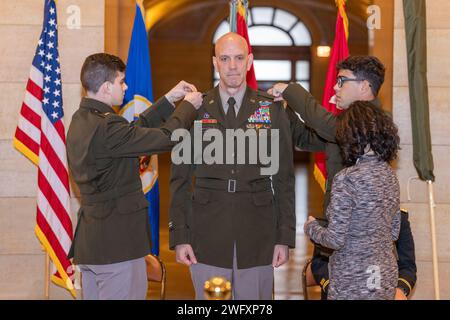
column 323, row 51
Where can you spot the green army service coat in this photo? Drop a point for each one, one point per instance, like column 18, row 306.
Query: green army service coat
column 234, row 204
column 102, row 151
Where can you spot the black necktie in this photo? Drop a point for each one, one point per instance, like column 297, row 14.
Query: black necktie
column 231, row 113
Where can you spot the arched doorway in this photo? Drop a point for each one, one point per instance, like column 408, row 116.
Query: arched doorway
column 281, row 44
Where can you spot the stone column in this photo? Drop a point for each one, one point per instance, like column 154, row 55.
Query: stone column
column 119, row 19
column 382, row 48
column 438, row 37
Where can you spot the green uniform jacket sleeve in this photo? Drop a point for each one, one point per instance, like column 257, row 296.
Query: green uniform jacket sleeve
column 284, row 182
column 158, row 113
column 180, row 208
column 125, row 139
column 312, row 112
column 180, row 204
column 303, row 137
column 407, row 269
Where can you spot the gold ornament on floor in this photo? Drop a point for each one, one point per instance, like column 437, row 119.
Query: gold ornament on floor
column 217, row 288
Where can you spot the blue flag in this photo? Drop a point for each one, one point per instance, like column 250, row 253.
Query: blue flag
column 138, row 98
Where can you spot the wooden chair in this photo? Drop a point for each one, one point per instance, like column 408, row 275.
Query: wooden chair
column 304, row 285
column 156, row 272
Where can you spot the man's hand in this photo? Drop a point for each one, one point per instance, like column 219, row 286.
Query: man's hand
column 399, row 294
column 277, row 91
column 179, row 91
column 195, row 98
column 310, row 219
column 185, row 254
column 280, row 255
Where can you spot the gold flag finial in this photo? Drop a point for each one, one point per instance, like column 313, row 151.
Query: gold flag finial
column 341, row 7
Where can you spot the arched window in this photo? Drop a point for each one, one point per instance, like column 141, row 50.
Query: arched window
column 281, row 46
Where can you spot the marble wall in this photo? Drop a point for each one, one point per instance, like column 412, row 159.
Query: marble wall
column 438, row 44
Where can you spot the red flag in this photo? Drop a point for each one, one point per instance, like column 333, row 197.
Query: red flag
column 339, row 52
column 41, row 137
column 241, row 29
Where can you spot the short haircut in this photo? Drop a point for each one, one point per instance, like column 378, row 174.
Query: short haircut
column 99, row 68
column 369, row 68
column 363, row 124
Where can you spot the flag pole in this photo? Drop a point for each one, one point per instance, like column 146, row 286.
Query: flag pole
column 233, row 12
column 433, row 240
column 47, row 277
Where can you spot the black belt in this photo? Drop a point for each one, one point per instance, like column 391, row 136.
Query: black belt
column 110, row 194
column 233, row 185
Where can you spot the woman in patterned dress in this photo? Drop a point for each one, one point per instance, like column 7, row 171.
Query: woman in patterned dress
column 364, row 212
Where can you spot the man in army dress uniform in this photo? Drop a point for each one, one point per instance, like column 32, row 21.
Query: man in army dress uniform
column 359, row 78
column 112, row 236
column 234, row 221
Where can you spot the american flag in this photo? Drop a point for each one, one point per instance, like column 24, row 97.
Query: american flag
column 40, row 136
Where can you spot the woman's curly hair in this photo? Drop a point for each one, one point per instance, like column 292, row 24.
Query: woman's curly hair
column 362, row 125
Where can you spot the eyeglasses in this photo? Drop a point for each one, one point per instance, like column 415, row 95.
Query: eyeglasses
column 341, row 79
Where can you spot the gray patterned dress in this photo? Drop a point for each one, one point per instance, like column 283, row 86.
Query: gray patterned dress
column 364, row 220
